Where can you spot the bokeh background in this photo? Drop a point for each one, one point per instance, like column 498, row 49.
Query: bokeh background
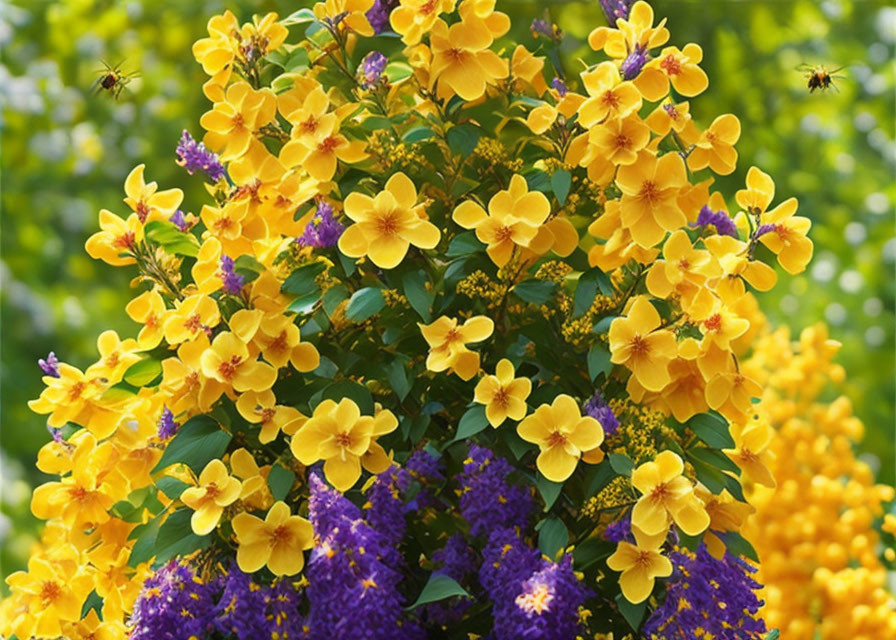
column 66, row 151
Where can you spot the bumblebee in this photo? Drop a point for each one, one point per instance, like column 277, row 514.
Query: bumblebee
column 818, row 77
column 113, row 79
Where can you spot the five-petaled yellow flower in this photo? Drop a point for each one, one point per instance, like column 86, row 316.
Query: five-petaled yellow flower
column 666, row 496
column 276, row 542
column 564, row 436
column 637, row 342
column 345, row 440
column 641, row 564
column 217, row 489
column 448, row 344
column 388, row 224
column 503, row 395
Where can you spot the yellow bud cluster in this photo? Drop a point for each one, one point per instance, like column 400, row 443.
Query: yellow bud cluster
column 394, row 299
column 496, row 154
column 479, row 286
column 553, row 271
column 616, row 494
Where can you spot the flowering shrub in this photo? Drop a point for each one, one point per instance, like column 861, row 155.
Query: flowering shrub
column 448, row 350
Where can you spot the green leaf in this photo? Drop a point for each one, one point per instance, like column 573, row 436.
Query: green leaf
column 633, row 613
column 333, row 297
column 143, row 373
column 463, row 244
column 438, row 587
column 364, row 303
column 599, row 361
column 549, row 490
column 621, row 464
column 248, row 267
column 173, row 240
column 599, row 477
column 774, row 634
column 715, row 458
column 591, row 283
column 561, row 180
column 144, row 547
column 298, row 17
column 552, row 537
column 740, row 546
column 171, row 487
column 397, row 71
column 95, row 602
column 472, row 422
column 398, row 378
column 538, row 181
column 463, row 138
column 590, row 551
column 535, row 291
column 374, row 123
column 199, row 441
column 709, row 475
column 418, row 134
column 348, row 389
column 419, row 297
column 712, row 429
column 280, row 481
column 603, row 325
column 176, row 537
column 734, row 488
column 301, row 281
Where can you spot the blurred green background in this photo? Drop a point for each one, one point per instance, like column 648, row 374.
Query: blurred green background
column 66, row 152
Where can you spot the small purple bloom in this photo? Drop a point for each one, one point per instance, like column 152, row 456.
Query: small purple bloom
column 633, row 63
column 723, row 224
column 56, row 433
column 619, row 531
column 487, row 499
column 600, row 411
column 173, row 604
column 233, row 282
column 615, row 9
column 763, row 229
column 559, row 86
column 323, row 230
column 370, row 71
column 193, row 156
column 378, row 15
column 50, row 366
column 167, row 425
column 178, row 220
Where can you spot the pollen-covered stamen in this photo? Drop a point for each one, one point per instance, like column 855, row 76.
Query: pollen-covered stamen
column 267, row 414
column 660, row 493
column 280, row 536
column 638, row 346
column 75, row 392
column 194, row 323
column 503, row 234
column 309, row 125
column 713, row 323
column 278, row 344
column 237, row 122
column 671, row 65
column 50, row 592
column 684, row 264
column 142, row 211
column 556, row 439
column 649, row 192
column 328, row 144
column 125, row 240
column 227, row 369
column 622, row 141
column 388, row 224
column 610, row 100
column 501, row 397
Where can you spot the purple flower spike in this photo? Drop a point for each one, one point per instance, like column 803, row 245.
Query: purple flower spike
column 50, row 366
column 193, row 156
column 723, row 224
column 600, row 411
column 559, row 86
column 167, row 425
column 370, row 71
column 378, row 15
column 233, row 282
column 633, row 64
column 615, row 9
column 323, row 230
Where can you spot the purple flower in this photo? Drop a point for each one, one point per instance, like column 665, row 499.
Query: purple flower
column 457, row 560
column 370, row 71
column 559, row 86
column 487, row 500
column 50, row 366
column 619, row 531
column 600, row 411
column 178, row 220
column 241, row 608
column 167, row 426
column 386, row 509
column 615, row 9
column 761, row 231
column 233, row 282
column 723, row 224
column 173, row 604
column 426, row 469
column 323, row 230
column 56, row 434
column 633, row 63
column 378, row 15
column 193, row 156
column 716, row 597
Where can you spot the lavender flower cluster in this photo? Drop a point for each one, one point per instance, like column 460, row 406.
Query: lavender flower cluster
column 193, row 156
column 598, row 409
column 323, row 230
column 487, row 500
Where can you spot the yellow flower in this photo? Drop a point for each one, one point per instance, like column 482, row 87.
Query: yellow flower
column 276, row 542
column 228, row 361
column 650, row 190
column 637, row 32
column 413, row 18
column 503, row 395
column 388, row 224
column 73, row 397
column 183, row 382
column 144, row 200
column 447, row 344
column 715, row 146
column 641, row 564
column 514, row 218
column 725, row 514
column 684, row 272
column 191, row 317
column 667, row 496
column 638, row 343
column 216, row 53
column 609, row 96
column 116, row 356
column 261, row 407
column 526, row 69
column 116, row 243
column 340, row 436
column 232, row 122
column 563, row 435
column 148, row 309
column 316, row 143
column 280, row 342
column 461, row 60
column 676, row 66
column 733, row 258
column 254, row 490
column 217, row 489
column 750, row 453
column 346, row 14
column 617, row 141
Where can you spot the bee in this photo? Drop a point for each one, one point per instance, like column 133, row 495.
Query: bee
column 113, row 79
column 818, row 77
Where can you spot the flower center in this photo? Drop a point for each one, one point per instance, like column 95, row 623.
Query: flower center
column 279, row 344
column 125, row 241
column 238, row 121
column 267, row 414
column 536, row 601
column 671, row 65
column 309, row 125
column 638, row 346
column 556, row 439
column 50, row 591
column 227, row 369
column 503, row 234
column 142, row 211
column 280, row 536
column 684, row 264
column 193, row 323
column 76, row 391
column 622, row 141
column 387, row 224
column 501, row 397
column 344, row 439
column 660, row 492
column 611, row 100
column 713, row 323
column 650, row 192
column 328, row 144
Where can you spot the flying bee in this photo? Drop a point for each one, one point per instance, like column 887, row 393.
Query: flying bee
column 113, row 79
column 817, row 77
